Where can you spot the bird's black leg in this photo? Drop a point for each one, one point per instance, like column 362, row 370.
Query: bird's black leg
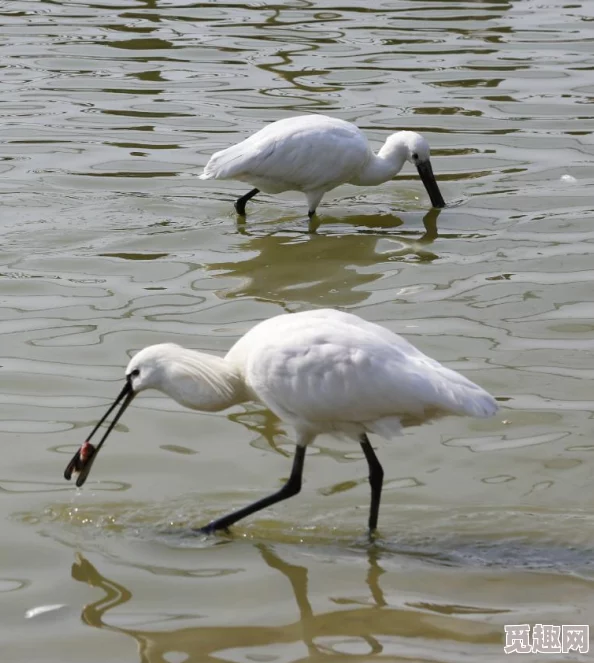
column 311, row 213
column 292, row 487
column 376, row 478
column 239, row 204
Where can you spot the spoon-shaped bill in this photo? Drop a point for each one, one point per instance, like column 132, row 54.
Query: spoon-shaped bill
column 82, row 460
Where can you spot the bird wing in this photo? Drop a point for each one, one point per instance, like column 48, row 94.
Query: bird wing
column 333, row 373
column 303, row 153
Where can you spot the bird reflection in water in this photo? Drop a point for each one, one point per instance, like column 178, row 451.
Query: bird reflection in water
column 326, row 636
column 207, row 643
column 337, row 267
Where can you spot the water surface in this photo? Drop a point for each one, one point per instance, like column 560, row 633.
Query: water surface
column 110, row 242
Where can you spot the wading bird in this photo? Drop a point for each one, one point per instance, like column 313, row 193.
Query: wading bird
column 315, row 154
column 322, row 371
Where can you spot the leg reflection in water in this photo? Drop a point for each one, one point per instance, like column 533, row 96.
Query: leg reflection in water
column 297, row 576
column 358, row 628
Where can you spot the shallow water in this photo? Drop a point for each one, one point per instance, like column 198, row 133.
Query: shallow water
column 110, row 242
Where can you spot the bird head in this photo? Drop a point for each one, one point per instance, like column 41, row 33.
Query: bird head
column 146, row 370
column 149, row 367
column 194, row 379
column 414, row 148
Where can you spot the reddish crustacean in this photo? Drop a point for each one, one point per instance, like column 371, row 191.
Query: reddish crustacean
column 81, row 460
column 86, row 451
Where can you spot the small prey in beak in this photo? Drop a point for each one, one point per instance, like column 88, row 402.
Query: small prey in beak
column 82, row 460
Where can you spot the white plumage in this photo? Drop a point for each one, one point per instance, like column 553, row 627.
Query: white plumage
column 325, row 370
column 322, row 371
column 316, row 153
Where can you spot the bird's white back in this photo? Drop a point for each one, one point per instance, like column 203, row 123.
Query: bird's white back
column 327, row 371
column 305, row 153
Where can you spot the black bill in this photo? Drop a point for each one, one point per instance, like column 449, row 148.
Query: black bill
column 83, row 459
column 428, row 179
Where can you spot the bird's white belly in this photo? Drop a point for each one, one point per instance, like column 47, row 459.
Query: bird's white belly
column 279, row 185
column 270, row 184
column 387, row 427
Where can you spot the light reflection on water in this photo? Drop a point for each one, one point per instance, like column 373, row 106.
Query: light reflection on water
column 110, row 243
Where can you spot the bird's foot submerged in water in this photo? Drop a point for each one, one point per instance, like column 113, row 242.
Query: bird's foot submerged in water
column 239, row 208
column 372, row 535
column 239, row 204
column 210, row 529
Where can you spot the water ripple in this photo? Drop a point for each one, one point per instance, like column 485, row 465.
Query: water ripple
column 110, row 243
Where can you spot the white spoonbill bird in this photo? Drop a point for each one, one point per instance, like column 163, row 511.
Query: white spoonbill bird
column 322, row 371
column 315, row 154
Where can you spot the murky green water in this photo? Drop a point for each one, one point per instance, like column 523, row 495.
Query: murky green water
column 110, row 242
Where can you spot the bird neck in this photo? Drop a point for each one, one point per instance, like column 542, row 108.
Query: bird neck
column 204, row 382
column 383, row 166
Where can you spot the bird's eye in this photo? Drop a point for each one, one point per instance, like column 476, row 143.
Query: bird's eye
column 134, row 374
column 415, row 155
